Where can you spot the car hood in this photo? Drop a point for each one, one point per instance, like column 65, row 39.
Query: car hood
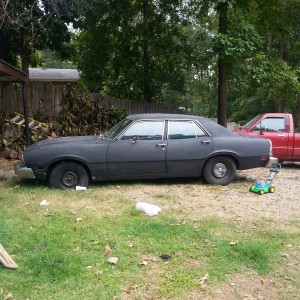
column 71, row 141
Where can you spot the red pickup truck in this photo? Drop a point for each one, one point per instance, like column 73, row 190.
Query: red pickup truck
column 279, row 128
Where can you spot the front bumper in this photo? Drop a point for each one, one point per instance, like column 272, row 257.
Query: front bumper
column 22, row 171
column 271, row 161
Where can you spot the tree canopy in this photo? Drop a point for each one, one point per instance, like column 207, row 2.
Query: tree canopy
column 218, row 58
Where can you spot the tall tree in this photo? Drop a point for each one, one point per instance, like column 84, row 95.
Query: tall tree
column 134, row 49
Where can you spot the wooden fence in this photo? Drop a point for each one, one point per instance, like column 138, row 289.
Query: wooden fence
column 46, row 97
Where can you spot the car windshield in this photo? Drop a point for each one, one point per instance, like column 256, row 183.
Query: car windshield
column 247, row 125
column 117, row 129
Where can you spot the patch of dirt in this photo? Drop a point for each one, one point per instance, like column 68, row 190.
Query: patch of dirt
column 192, row 199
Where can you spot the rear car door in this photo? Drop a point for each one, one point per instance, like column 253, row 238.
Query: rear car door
column 188, row 145
column 139, row 152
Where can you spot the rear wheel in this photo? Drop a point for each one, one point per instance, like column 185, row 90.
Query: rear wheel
column 219, row 170
column 271, row 189
column 68, row 175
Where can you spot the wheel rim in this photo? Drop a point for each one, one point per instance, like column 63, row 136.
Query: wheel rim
column 69, row 179
column 220, row 170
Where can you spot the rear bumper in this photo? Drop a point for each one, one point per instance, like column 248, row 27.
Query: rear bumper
column 22, row 171
column 272, row 160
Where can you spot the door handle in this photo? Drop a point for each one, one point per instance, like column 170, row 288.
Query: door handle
column 205, row 142
column 281, row 135
column 161, row 145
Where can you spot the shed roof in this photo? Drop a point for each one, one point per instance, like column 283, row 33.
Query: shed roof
column 43, row 74
column 10, row 73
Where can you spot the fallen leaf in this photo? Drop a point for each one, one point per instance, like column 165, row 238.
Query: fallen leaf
column 107, row 250
column 285, row 255
column 99, row 272
column 77, row 249
column 144, row 263
column 234, row 243
column 9, row 297
column 113, row 260
column 204, row 278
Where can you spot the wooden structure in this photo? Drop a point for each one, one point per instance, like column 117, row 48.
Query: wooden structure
column 6, row 259
column 12, row 74
column 47, row 87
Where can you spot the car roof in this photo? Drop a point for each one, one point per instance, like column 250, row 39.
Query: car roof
column 212, row 127
column 162, row 116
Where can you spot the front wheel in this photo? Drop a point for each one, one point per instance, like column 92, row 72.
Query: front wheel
column 68, row 175
column 219, row 170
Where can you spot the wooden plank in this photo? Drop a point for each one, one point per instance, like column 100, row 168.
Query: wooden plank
column 6, row 260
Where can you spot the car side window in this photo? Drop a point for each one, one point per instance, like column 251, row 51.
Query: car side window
column 270, row 125
column 145, row 130
column 184, row 130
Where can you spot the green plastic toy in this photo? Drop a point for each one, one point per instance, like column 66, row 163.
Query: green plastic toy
column 267, row 186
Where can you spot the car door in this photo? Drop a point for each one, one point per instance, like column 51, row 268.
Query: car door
column 139, row 152
column 273, row 128
column 188, row 145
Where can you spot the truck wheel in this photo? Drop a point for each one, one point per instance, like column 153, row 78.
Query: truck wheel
column 219, row 170
column 68, row 175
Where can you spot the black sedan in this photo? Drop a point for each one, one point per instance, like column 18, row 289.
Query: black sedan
column 146, row 146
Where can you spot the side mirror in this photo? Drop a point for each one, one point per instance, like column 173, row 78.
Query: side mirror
column 134, row 139
column 261, row 130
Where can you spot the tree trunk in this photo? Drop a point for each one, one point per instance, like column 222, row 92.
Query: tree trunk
column 297, row 117
column 222, row 67
column 3, row 47
column 147, row 95
column 24, row 52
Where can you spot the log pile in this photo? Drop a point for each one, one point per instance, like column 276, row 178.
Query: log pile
column 8, row 154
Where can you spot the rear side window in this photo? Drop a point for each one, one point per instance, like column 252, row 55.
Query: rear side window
column 184, row 130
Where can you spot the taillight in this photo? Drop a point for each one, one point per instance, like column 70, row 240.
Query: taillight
column 271, row 149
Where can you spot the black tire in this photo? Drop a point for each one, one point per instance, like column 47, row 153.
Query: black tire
column 219, row 170
column 68, row 175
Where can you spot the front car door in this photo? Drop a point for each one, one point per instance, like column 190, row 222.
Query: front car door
column 139, row 152
column 274, row 128
column 188, row 146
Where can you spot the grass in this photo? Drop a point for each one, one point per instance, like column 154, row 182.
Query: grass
column 60, row 248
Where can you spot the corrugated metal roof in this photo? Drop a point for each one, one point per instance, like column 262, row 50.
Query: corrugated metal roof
column 41, row 74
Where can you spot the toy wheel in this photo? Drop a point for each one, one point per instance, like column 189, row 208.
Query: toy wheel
column 271, row 189
column 251, row 189
column 261, row 192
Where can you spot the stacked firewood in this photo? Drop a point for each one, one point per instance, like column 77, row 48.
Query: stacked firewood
column 8, row 154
